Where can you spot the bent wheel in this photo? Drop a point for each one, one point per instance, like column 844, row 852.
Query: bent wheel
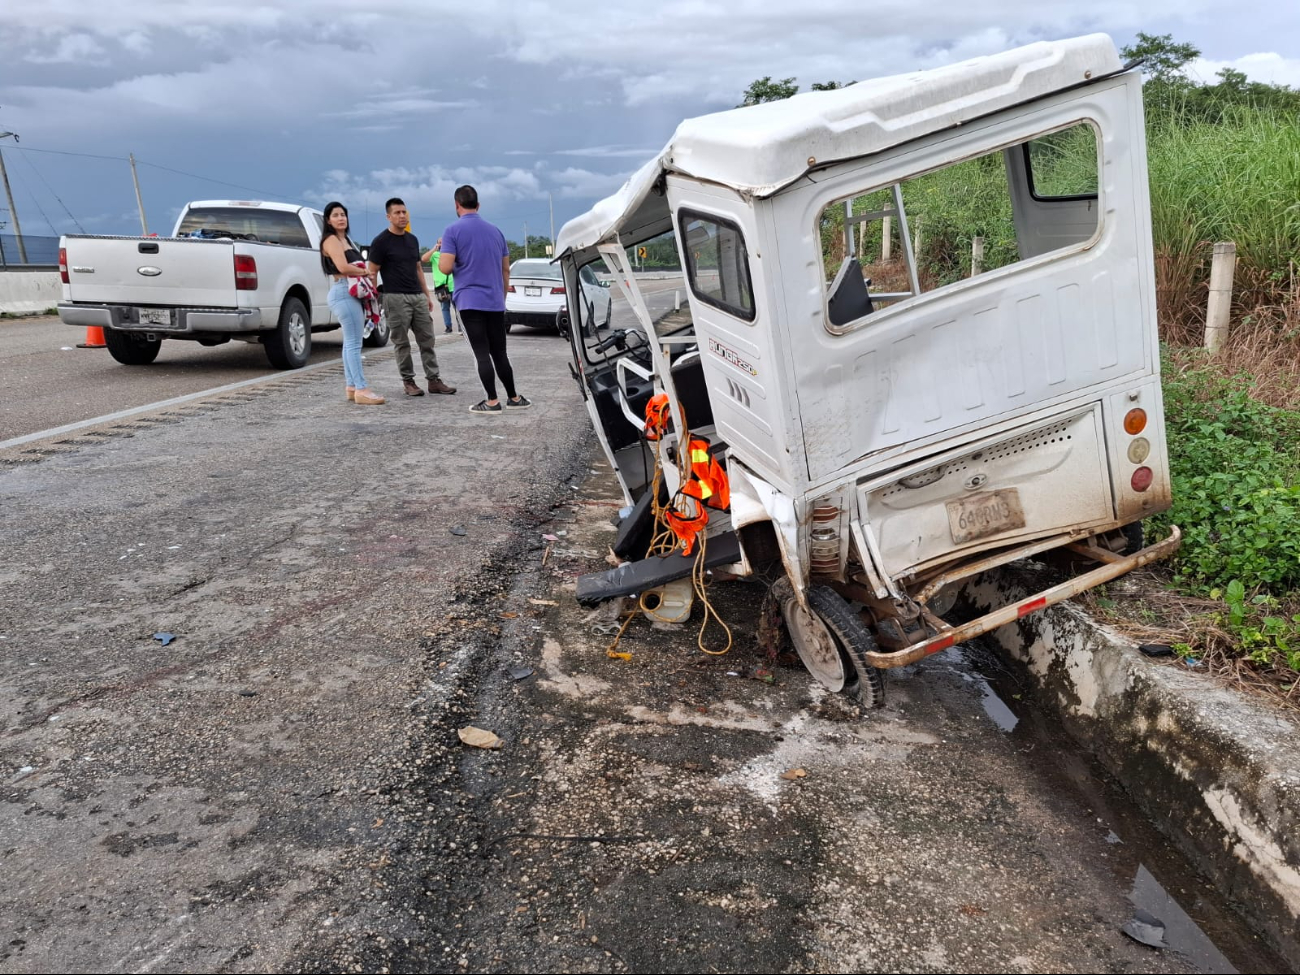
column 814, row 643
column 832, row 641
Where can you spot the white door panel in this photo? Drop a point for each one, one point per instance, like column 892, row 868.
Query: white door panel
column 1007, row 342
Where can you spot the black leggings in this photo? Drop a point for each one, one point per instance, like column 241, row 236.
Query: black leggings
column 486, row 331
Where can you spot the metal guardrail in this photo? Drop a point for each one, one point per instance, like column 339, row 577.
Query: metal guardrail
column 28, row 252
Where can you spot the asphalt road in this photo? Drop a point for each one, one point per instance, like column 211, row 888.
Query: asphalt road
column 49, row 382
column 241, row 638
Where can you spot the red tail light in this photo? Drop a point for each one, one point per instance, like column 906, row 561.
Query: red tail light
column 1142, row 478
column 511, row 289
column 63, row 265
column 245, row 272
column 557, row 291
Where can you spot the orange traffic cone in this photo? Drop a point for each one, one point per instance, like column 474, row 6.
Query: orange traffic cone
column 94, row 338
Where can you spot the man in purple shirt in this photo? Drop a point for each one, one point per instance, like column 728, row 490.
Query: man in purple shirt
column 476, row 252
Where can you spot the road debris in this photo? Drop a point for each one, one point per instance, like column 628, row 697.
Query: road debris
column 1146, row 929
column 479, row 737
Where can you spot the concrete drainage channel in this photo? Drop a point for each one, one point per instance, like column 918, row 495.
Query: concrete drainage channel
column 1217, row 772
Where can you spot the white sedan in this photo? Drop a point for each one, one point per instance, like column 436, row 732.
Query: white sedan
column 536, row 296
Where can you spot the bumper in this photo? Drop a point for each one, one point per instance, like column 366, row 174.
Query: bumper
column 1114, row 567
column 535, row 319
column 125, row 318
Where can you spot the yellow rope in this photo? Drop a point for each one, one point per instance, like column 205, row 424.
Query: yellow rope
column 664, row 541
column 698, row 572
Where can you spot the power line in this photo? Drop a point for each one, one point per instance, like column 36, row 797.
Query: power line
column 142, row 162
column 219, row 182
column 42, row 178
column 65, row 152
column 40, row 210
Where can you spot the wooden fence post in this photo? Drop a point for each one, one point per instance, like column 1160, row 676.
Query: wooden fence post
column 916, row 240
column 886, row 239
column 976, row 255
column 1220, row 304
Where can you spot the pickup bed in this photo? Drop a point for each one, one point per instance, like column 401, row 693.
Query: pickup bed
column 231, row 270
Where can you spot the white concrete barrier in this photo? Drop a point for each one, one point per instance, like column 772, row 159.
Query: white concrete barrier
column 29, row 292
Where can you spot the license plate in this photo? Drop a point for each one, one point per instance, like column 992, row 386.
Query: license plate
column 155, row 316
column 982, row 515
column 533, row 292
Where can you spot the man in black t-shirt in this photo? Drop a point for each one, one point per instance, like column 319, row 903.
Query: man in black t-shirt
column 407, row 302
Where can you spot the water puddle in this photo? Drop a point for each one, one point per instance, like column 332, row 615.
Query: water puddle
column 998, row 710
column 1179, row 932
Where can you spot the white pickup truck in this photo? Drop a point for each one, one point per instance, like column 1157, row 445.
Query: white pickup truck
column 232, row 269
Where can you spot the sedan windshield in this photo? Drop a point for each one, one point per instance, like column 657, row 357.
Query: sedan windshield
column 535, row 269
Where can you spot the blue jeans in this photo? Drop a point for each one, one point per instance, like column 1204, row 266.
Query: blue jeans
column 348, row 311
column 446, row 315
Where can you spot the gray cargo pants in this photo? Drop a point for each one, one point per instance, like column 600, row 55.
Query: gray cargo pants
column 411, row 312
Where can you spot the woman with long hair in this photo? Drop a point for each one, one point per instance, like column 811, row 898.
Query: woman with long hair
column 339, row 258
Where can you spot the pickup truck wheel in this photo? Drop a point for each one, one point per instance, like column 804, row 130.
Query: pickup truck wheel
column 378, row 336
column 289, row 346
column 131, row 350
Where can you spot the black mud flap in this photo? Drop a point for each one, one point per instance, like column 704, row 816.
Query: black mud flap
column 634, row 530
column 596, row 587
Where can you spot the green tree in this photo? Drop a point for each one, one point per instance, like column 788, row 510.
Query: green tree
column 767, row 90
column 536, row 247
column 1173, row 98
column 1165, row 58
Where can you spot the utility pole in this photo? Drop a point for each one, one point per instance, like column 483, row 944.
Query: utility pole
column 849, row 249
column 139, row 200
column 551, row 200
column 9, row 194
column 525, row 240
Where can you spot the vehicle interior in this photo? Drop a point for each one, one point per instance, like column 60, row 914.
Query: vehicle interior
column 889, row 244
column 618, row 364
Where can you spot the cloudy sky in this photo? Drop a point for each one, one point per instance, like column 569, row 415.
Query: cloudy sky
column 531, row 101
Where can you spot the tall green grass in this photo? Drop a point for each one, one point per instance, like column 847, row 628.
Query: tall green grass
column 1237, row 181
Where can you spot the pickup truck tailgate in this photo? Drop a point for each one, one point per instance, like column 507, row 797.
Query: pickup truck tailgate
column 152, row 271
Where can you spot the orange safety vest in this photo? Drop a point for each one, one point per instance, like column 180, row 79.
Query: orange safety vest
column 656, row 416
column 707, row 487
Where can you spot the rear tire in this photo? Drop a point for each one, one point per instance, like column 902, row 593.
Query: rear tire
column 1133, row 539
column 131, row 350
column 829, row 613
column 855, row 641
column 289, row 346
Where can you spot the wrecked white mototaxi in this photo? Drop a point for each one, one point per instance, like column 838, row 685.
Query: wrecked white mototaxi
column 921, row 339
